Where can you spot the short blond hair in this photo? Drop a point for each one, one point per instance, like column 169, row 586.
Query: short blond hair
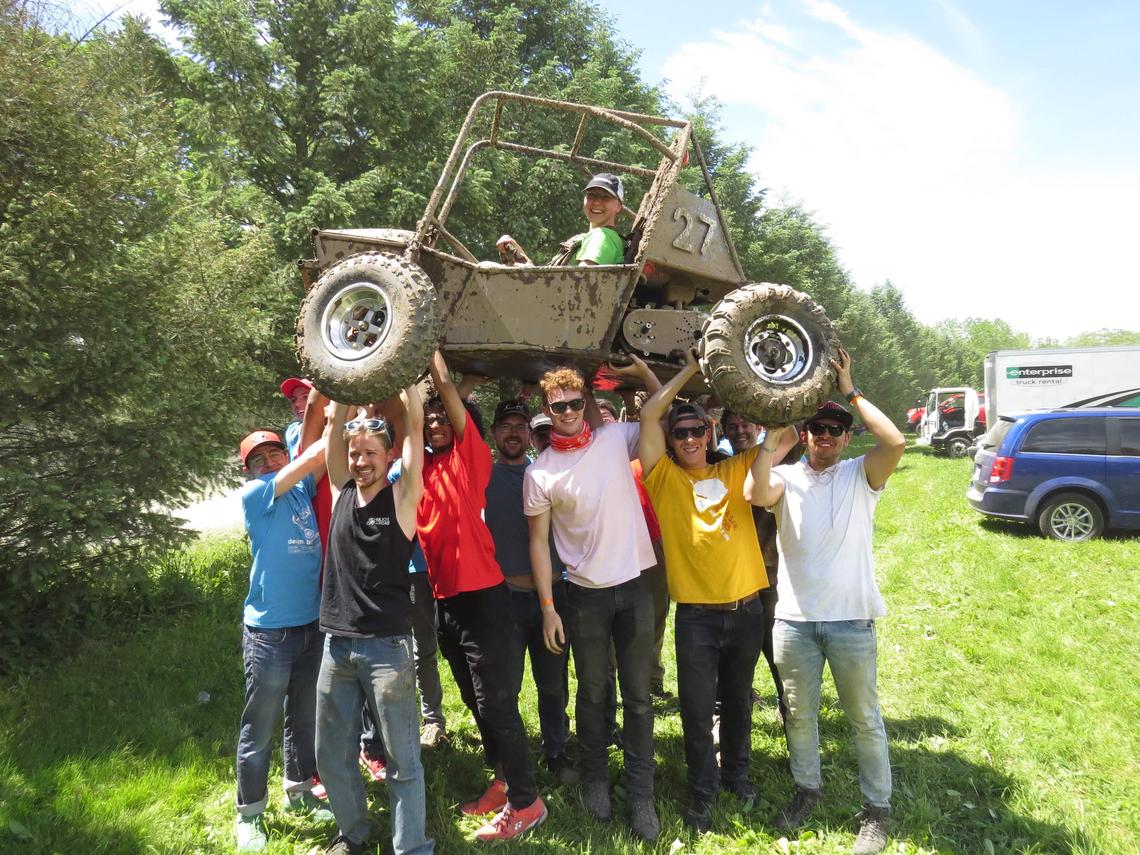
column 562, row 378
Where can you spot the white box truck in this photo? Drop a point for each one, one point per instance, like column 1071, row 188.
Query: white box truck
column 1047, row 378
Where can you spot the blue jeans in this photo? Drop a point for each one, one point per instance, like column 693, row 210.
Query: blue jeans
column 280, row 671
column 717, row 653
column 381, row 673
column 548, row 669
column 595, row 618
column 850, row 648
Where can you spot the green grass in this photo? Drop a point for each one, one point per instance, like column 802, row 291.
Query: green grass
column 1007, row 675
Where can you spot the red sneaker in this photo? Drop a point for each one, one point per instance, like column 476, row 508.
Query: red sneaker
column 377, row 770
column 318, row 789
column 512, row 822
column 492, row 799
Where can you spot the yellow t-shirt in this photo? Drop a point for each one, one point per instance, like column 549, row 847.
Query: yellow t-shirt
column 712, row 554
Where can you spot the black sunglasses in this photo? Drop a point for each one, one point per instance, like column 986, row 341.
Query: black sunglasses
column 816, row 429
column 559, row 407
column 681, row 434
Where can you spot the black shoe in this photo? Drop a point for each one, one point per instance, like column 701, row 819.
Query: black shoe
column 643, row 818
column 343, row 846
column 699, row 816
column 793, row 816
column 596, row 800
column 744, row 794
column 875, row 824
column 562, row 769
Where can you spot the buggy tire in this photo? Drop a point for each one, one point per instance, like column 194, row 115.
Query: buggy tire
column 1072, row 517
column 767, row 351
column 368, row 328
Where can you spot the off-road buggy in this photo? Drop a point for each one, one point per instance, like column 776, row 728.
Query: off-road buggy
column 381, row 300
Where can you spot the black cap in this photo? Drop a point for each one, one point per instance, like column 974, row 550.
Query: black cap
column 686, row 411
column 833, row 412
column 610, row 183
column 511, row 407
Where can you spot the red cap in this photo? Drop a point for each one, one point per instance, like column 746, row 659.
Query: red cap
column 257, row 439
column 290, row 386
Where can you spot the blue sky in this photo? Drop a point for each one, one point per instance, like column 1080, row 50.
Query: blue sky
column 983, row 156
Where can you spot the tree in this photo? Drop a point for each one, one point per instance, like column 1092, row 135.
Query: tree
column 131, row 340
column 1103, row 338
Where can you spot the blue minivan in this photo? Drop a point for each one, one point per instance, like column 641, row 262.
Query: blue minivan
column 1072, row 472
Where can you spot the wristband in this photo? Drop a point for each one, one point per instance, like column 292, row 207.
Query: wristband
column 856, row 392
column 546, row 602
column 769, row 450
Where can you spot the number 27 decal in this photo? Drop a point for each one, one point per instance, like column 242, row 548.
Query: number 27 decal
column 684, row 241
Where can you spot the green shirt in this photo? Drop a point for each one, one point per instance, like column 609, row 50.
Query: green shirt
column 601, row 246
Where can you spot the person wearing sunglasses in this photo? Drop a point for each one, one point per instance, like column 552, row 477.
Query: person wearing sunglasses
column 281, row 641
column 715, row 575
column 473, row 602
column 828, row 597
column 582, row 488
column 366, row 611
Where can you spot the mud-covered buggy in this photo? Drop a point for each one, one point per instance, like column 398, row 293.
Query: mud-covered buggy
column 381, row 300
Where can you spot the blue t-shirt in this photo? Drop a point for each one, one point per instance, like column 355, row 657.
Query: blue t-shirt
column 285, row 579
column 418, row 564
column 293, row 438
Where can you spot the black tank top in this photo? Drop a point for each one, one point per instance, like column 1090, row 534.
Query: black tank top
column 366, row 587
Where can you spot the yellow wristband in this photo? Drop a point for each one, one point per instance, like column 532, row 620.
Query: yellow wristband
column 544, row 603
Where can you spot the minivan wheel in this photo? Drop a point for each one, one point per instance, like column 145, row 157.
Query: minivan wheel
column 1071, row 516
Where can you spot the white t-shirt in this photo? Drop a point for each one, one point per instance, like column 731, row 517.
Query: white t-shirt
column 824, row 523
column 599, row 527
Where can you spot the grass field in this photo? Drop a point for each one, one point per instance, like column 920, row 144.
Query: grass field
column 1007, row 675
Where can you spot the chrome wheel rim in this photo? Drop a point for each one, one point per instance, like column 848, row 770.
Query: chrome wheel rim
column 356, row 321
column 1072, row 521
column 778, row 349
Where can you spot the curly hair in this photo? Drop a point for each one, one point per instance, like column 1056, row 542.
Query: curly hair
column 562, row 378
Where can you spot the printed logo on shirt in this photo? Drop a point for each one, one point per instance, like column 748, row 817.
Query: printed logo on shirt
column 376, row 522
column 305, row 522
column 708, row 493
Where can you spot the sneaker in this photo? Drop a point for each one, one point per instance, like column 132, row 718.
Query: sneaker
column 561, row 767
column 596, row 800
column 643, row 818
column 343, row 846
column 793, row 816
column 511, row 822
column 875, row 823
column 306, row 804
column 432, row 735
column 377, row 769
column 744, row 794
column 250, row 833
column 493, row 799
column 699, row 816
column 318, row 789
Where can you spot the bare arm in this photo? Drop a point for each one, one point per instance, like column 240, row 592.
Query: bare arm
column 651, row 443
column 313, row 425
column 880, row 462
column 337, row 447
column 449, row 394
column 761, row 487
column 637, row 368
column 308, row 462
column 553, row 635
column 469, row 382
column 593, row 414
column 410, row 487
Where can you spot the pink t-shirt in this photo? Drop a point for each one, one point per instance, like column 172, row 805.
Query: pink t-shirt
column 599, row 527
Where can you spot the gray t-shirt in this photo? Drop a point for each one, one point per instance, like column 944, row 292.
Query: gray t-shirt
column 507, row 523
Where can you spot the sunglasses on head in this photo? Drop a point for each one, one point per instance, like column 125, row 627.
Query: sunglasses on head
column 559, row 407
column 370, row 426
column 682, row 433
column 817, row 429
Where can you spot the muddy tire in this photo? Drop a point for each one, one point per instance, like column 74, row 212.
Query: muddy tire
column 766, row 350
column 958, row 446
column 368, row 327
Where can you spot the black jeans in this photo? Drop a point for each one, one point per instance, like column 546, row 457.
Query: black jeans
column 548, row 669
column 768, row 598
column 594, row 617
column 475, row 630
column 716, row 657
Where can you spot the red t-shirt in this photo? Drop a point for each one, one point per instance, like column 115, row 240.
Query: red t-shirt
column 651, row 522
column 456, row 542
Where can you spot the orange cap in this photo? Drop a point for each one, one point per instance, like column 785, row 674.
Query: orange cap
column 255, row 439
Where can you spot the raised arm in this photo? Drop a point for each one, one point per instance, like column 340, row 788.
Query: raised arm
column 639, row 370
column 651, row 441
column 761, row 487
column 449, row 394
column 553, row 635
column 410, row 487
column 880, row 462
column 313, row 425
column 337, row 447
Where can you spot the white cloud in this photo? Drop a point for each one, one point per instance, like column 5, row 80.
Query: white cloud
column 919, row 168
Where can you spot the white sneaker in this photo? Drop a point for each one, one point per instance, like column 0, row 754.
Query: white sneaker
column 250, row 832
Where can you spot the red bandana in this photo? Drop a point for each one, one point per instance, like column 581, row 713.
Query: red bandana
column 572, row 443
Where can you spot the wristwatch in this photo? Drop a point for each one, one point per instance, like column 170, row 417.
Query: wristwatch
column 853, row 394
